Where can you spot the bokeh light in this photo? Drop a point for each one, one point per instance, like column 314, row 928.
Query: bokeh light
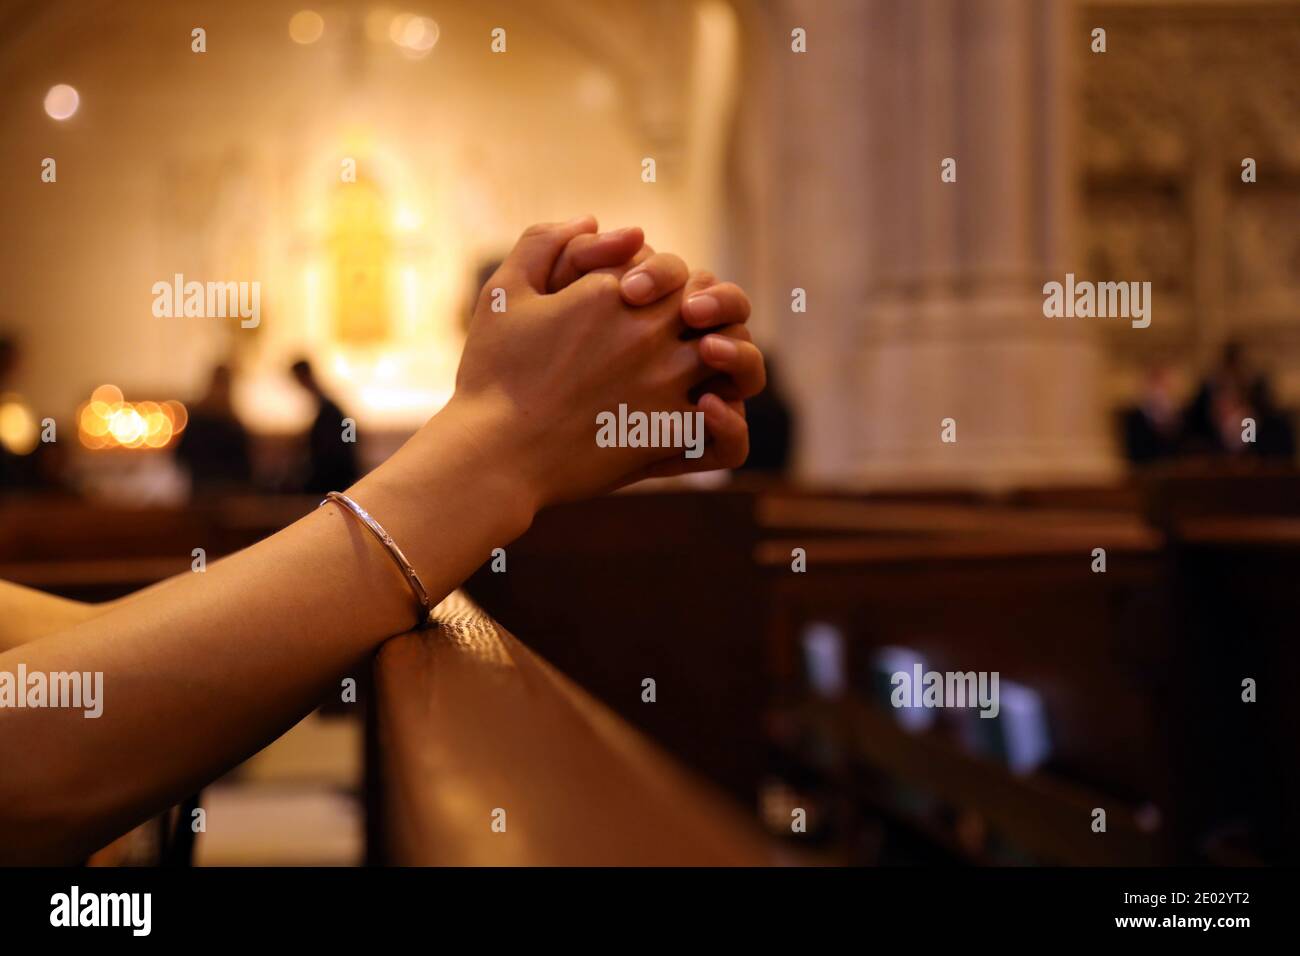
column 18, row 429
column 415, row 35
column 62, row 101
column 107, row 420
column 306, row 26
column 378, row 22
column 107, row 395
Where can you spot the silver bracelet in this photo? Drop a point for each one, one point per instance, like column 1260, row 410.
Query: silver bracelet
column 394, row 552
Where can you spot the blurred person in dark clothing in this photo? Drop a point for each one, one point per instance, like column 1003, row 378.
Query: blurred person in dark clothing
column 771, row 428
column 1230, row 393
column 331, row 460
column 1220, row 399
column 1275, row 431
column 1153, row 428
column 214, row 445
column 8, row 359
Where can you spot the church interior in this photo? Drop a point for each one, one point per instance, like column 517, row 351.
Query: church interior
column 1097, row 512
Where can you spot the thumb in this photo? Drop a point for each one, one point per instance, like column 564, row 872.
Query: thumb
column 534, row 256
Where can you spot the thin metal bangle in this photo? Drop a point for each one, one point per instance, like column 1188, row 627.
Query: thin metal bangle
column 394, row 552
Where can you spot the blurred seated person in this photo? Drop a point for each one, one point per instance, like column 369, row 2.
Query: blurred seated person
column 1153, row 428
column 1230, row 393
column 331, row 456
column 214, row 445
column 22, row 456
column 771, row 428
column 1275, row 435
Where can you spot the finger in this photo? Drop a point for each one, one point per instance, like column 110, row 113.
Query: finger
column 730, row 433
column 720, row 304
column 740, row 360
column 653, row 279
column 588, row 252
column 735, row 331
column 644, row 253
column 728, row 444
column 700, row 280
column 704, row 378
column 531, row 260
column 685, row 367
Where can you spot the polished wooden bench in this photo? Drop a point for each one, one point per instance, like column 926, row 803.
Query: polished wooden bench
column 1238, row 605
column 95, row 552
column 1019, row 599
column 700, row 588
column 657, row 585
column 1138, row 667
column 982, row 589
column 471, row 728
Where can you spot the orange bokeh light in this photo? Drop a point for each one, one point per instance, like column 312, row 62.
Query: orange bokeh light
column 107, row 420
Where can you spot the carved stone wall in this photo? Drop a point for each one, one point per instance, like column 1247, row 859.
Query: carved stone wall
column 1184, row 93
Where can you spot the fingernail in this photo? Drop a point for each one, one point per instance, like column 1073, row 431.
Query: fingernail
column 578, row 220
column 721, row 347
column 638, row 285
column 702, row 306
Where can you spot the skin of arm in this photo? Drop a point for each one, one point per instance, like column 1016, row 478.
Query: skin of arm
column 30, row 614
column 204, row 670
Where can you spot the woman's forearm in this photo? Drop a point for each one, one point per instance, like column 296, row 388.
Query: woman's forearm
column 27, row 615
column 219, row 663
column 204, row 669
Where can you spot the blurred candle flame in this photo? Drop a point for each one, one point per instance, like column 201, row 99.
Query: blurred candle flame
column 107, row 420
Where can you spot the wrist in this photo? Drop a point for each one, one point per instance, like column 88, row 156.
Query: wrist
column 461, row 454
column 479, row 431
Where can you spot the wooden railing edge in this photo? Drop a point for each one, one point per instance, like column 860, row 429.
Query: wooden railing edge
column 490, row 756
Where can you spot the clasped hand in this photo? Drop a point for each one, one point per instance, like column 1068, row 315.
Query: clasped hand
column 575, row 323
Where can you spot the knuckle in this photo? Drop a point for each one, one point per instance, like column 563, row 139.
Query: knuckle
column 603, row 287
column 649, row 334
column 674, row 264
column 737, row 301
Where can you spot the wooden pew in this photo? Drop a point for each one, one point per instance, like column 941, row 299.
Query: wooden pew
column 1097, row 647
column 696, row 591
column 852, row 516
column 700, row 587
column 668, row 592
column 1043, row 816
column 92, row 552
column 1235, row 547
column 1175, row 494
column 1238, row 606
column 468, row 721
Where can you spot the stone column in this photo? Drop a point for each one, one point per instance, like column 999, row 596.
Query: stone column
column 924, row 297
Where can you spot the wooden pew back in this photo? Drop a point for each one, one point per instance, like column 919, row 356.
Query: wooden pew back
column 667, row 593
column 1026, row 604
column 472, row 729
